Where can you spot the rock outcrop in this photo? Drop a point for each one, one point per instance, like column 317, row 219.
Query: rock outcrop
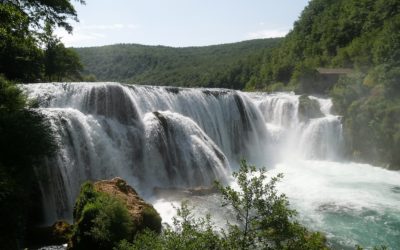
column 143, row 214
column 109, row 211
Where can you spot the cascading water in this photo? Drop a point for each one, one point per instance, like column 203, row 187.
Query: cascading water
column 179, row 137
column 153, row 137
column 352, row 203
column 319, row 138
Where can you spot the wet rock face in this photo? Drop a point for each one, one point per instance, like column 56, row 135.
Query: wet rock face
column 111, row 101
column 308, row 109
column 181, row 153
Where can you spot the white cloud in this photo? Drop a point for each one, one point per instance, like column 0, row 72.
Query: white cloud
column 268, row 33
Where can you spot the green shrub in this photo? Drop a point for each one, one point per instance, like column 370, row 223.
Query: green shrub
column 111, row 222
column 151, row 220
column 87, row 195
column 101, row 221
column 187, row 233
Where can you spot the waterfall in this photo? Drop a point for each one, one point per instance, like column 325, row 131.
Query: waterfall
column 178, row 152
column 170, row 137
column 318, row 138
column 151, row 136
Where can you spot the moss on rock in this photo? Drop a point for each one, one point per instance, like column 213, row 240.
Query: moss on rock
column 109, row 211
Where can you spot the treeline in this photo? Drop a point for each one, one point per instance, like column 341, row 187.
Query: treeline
column 29, row 52
column 223, row 66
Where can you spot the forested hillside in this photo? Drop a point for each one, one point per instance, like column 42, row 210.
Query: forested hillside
column 227, row 65
column 336, row 33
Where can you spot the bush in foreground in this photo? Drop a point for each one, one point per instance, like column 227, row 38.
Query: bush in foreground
column 263, row 221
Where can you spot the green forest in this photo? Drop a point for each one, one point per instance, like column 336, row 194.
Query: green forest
column 220, row 66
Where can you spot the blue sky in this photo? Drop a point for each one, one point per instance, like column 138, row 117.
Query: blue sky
column 180, row 23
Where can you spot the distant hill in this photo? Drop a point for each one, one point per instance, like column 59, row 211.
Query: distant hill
column 227, row 65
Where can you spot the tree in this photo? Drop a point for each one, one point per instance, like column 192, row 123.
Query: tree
column 265, row 219
column 20, row 56
column 41, row 12
column 60, row 63
column 23, row 33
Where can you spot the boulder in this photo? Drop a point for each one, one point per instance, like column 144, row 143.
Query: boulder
column 109, row 211
column 143, row 214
